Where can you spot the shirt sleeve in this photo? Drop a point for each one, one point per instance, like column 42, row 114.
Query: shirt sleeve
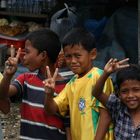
column 62, row 101
column 113, row 104
column 19, row 83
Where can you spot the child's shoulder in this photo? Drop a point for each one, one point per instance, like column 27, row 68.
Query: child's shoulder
column 97, row 71
column 28, row 74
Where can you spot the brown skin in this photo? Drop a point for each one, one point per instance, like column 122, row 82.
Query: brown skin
column 111, row 66
column 80, row 62
column 130, row 96
column 78, row 59
column 129, row 92
column 32, row 60
column 5, row 106
column 101, row 131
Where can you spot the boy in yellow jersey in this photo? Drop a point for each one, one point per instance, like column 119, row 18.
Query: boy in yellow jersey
column 89, row 119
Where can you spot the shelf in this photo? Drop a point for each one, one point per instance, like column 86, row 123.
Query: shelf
column 23, row 14
column 14, row 38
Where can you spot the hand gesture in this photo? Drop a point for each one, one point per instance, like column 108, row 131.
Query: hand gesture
column 114, row 65
column 49, row 83
column 11, row 63
column 61, row 60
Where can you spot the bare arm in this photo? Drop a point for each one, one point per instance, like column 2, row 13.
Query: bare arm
column 49, row 85
column 50, row 105
column 6, row 90
column 68, row 133
column 103, row 124
column 10, row 68
column 111, row 66
column 98, row 89
column 5, row 105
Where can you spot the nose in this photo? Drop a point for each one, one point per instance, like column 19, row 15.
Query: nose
column 130, row 94
column 73, row 60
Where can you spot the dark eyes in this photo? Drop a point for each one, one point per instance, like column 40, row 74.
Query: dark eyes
column 135, row 90
column 76, row 56
column 67, row 56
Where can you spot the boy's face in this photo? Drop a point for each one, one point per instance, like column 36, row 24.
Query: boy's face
column 31, row 59
column 78, row 59
column 130, row 94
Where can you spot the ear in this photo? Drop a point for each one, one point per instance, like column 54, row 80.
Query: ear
column 44, row 55
column 93, row 53
column 118, row 94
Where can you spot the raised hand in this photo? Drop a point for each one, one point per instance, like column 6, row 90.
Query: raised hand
column 114, row 65
column 49, row 83
column 11, row 63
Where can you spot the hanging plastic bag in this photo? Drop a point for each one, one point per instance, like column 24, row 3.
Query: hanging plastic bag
column 63, row 21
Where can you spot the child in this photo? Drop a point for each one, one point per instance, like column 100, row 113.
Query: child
column 41, row 49
column 4, row 107
column 124, row 109
column 87, row 120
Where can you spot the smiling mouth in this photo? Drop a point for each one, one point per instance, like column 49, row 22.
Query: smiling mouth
column 74, row 66
column 132, row 102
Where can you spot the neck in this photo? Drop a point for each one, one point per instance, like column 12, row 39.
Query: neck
column 134, row 112
column 135, row 115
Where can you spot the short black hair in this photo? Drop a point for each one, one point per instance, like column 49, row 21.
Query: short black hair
column 79, row 36
column 46, row 40
column 129, row 73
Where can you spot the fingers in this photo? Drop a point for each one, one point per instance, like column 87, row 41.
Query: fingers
column 119, row 64
column 115, row 60
column 55, row 73
column 123, row 61
column 18, row 53
column 48, row 72
column 110, row 60
column 12, row 51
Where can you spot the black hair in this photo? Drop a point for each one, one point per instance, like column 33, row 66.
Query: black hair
column 79, row 36
column 129, row 73
column 46, row 40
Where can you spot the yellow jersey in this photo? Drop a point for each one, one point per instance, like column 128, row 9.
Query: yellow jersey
column 1, row 76
column 84, row 108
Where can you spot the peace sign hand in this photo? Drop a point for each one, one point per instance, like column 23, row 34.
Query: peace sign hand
column 12, row 62
column 49, row 83
column 114, row 65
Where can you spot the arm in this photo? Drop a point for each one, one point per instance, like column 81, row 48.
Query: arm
column 5, row 106
column 103, row 124
column 10, row 68
column 66, row 120
column 111, row 66
column 49, row 85
column 50, row 105
column 68, row 133
column 7, row 90
column 98, row 89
